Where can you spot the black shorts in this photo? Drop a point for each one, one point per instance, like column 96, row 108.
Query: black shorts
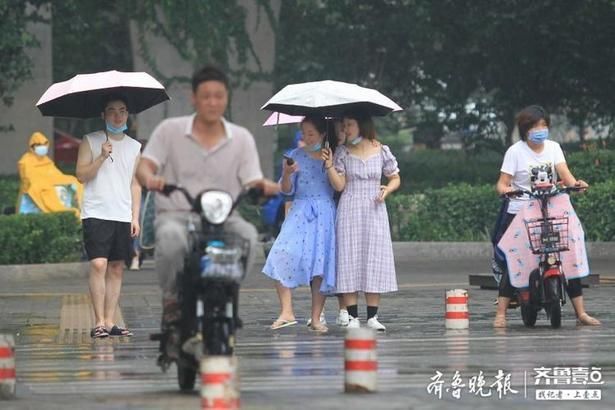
column 107, row 239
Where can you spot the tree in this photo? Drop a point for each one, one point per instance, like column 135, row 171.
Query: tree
column 14, row 43
column 202, row 32
column 445, row 55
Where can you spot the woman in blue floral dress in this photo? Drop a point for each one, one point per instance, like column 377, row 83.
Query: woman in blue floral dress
column 304, row 251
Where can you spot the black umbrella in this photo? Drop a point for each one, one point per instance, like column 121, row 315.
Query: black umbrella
column 83, row 95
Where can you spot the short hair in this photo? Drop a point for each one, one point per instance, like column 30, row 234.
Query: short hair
column 366, row 124
column 208, row 73
column 109, row 98
column 528, row 117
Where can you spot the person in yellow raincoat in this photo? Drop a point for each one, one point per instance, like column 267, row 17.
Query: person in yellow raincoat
column 42, row 183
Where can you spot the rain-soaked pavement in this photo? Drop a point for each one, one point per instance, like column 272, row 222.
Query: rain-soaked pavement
column 59, row 367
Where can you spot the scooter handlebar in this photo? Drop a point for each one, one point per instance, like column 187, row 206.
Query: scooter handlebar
column 521, row 192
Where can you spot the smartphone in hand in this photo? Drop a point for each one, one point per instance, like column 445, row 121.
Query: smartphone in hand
column 289, row 160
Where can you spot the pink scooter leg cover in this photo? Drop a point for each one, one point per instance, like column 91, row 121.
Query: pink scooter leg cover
column 516, row 247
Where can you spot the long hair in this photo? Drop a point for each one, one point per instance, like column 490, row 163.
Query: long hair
column 366, row 124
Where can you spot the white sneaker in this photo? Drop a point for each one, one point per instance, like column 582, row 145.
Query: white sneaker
column 373, row 323
column 342, row 318
column 323, row 320
column 353, row 323
column 134, row 265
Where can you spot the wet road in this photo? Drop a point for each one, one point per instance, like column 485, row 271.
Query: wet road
column 58, row 366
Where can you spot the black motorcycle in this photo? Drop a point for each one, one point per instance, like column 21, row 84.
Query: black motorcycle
column 548, row 236
column 208, row 287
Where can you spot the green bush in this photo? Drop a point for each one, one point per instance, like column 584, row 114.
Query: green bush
column 455, row 213
column 595, row 209
column 428, row 169
column 39, row 238
column 468, row 213
column 592, row 166
column 9, row 188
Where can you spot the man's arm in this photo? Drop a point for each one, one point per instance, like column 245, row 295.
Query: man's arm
column 135, row 190
column 87, row 166
column 269, row 187
column 146, row 174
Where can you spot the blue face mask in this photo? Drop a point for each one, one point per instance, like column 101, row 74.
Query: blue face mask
column 116, row 130
column 356, row 140
column 538, row 136
column 41, row 150
column 315, row 147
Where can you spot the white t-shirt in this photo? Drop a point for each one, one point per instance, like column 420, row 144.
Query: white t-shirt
column 520, row 160
column 108, row 195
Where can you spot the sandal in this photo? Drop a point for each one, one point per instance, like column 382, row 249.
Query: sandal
column 319, row 328
column 499, row 321
column 99, row 332
column 280, row 323
column 586, row 320
column 119, row 331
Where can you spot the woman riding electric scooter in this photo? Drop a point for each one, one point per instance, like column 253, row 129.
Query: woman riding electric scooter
column 534, row 150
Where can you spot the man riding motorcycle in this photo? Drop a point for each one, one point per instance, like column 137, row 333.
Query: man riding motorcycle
column 198, row 152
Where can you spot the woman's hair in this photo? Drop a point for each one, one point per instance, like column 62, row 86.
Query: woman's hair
column 366, row 124
column 529, row 117
column 325, row 127
column 318, row 122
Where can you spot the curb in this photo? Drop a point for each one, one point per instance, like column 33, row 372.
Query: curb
column 43, row 271
column 404, row 252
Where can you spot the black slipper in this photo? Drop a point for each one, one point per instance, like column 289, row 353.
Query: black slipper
column 119, row 331
column 99, row 332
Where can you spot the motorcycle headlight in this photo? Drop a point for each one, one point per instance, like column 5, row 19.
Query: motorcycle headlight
column 216, row 206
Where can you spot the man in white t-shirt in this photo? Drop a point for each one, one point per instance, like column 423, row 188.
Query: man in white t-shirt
column 106, row 165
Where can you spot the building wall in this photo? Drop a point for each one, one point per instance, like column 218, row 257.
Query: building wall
column 245, row 103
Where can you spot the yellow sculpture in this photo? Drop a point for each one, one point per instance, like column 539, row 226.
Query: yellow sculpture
column 43, row 187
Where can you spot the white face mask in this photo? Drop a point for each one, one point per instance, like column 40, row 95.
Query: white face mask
column 41, row 150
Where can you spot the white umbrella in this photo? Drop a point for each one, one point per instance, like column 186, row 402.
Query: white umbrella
column 83, row 95
column 278, row 118
column 329, row 98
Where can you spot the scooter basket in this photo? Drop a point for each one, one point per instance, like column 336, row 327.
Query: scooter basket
column 548, row 236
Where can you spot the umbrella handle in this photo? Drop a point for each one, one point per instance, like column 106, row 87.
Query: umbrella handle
column 107, row 140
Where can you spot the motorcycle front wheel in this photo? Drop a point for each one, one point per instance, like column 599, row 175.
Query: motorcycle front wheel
column 186, row 374
column 529, row 314
column 217, row 339
column 552, row 291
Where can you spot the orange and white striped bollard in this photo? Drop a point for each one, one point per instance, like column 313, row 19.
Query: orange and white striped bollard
column 457, row 315
column 219, row 385
column 7, row 367
column 361, row 361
